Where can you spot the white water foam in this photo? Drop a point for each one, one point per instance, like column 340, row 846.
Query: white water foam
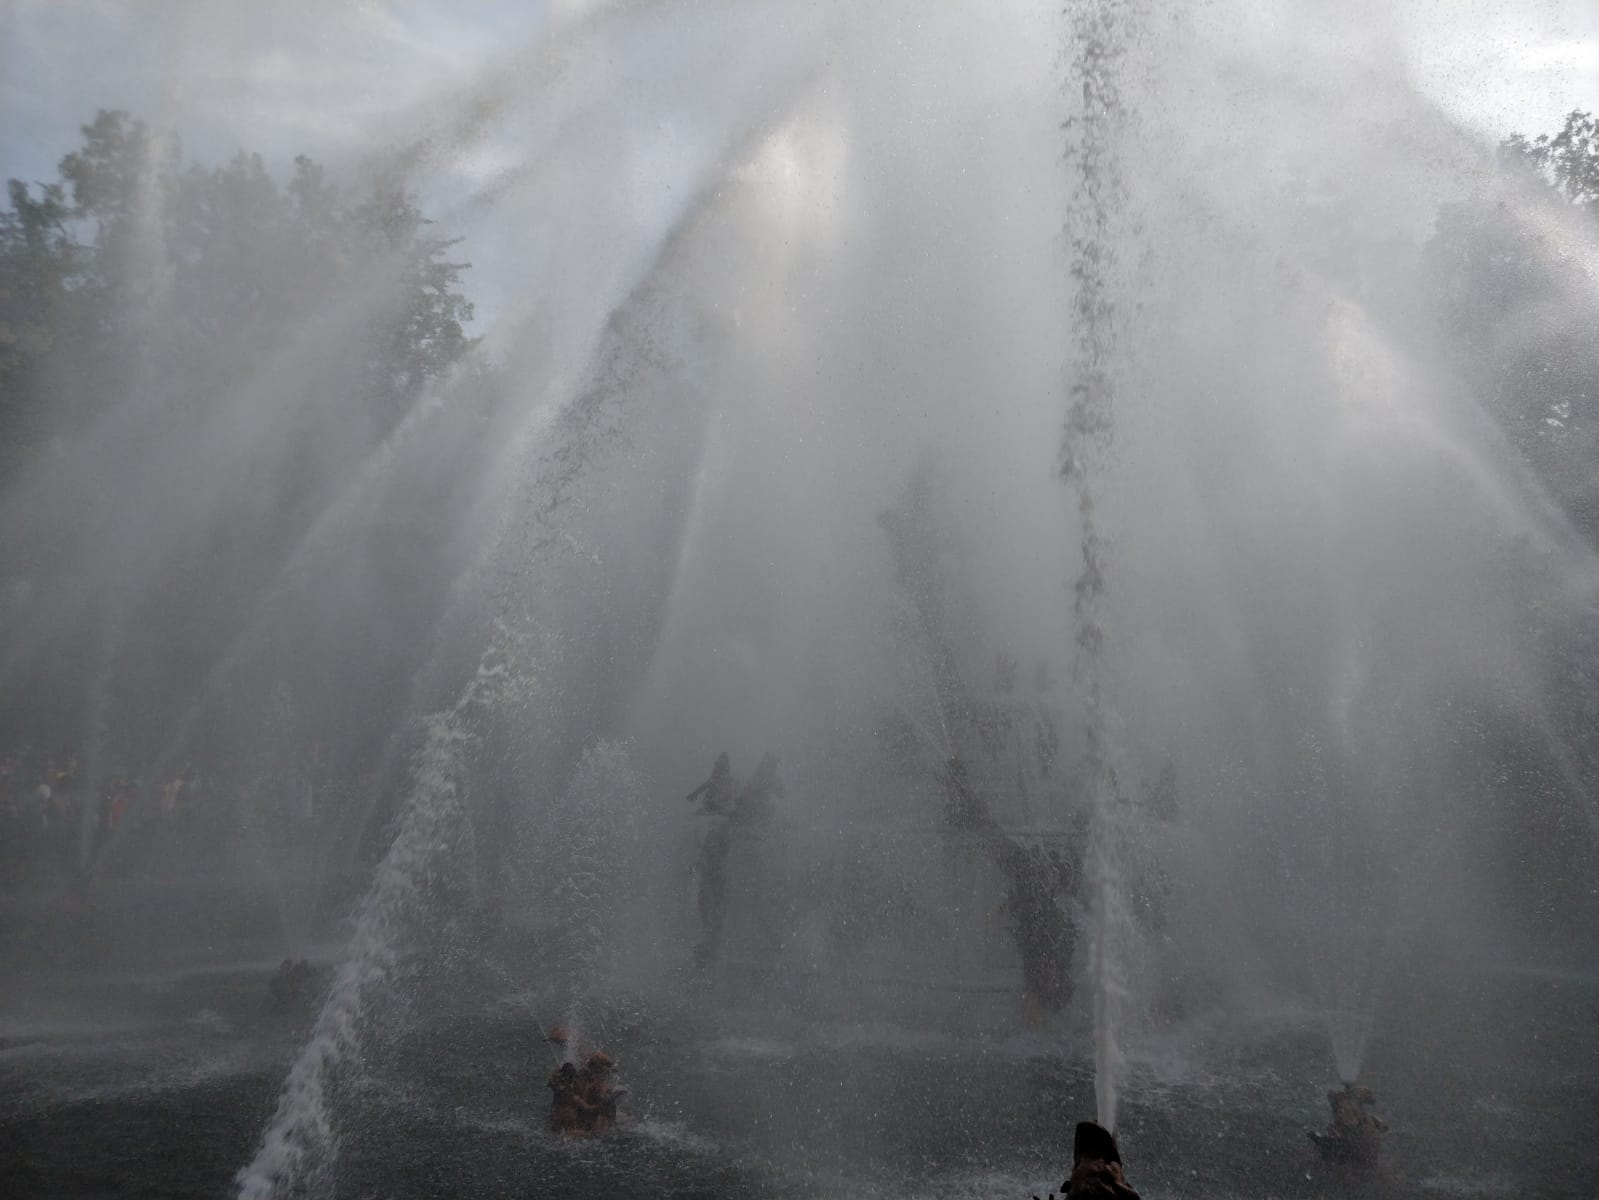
column 297, row 1148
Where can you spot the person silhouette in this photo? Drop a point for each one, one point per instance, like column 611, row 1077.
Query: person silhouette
column 716, row 793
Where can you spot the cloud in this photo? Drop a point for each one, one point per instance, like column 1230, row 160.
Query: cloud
column 283, row 78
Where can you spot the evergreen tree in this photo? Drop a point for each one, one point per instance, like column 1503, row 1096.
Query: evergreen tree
column 195, row 363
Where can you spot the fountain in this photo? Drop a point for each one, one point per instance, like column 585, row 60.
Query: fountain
column 1036, row 436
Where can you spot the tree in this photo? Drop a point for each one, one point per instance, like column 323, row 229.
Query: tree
column 1568, row 160
column 196, row 360
column 1518, row 305
column 125, row 224
column 1513, row 286
column 37, row 261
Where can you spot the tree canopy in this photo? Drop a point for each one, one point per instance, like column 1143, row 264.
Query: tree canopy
column 1516, row 299
column 196, row 361
column 1568, row 160
column 226, row 262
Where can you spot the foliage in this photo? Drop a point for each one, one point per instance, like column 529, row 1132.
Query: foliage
column 131, row 258
column 38, row 258
column 1515, row 295
column 197, row 362
column 1514, row 286
column 1568, row 160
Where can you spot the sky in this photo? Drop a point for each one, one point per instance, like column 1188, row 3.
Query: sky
column 1502, row 66
column 280, row 77
column 295, row 76
column 341, row 79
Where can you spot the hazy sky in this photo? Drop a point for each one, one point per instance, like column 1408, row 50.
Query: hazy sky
column 278, row 76
column 315, row 75
column 1505, row 65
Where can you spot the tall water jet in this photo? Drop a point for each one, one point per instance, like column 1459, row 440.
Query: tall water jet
column 747, row 263
column 584, row 846
column 297, row 1152
column 1101, row 31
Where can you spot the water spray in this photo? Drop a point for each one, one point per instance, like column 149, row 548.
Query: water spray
column 1099, row 32
column 300, row 1141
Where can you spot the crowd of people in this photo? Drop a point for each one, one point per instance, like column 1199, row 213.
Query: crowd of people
column 52, row 830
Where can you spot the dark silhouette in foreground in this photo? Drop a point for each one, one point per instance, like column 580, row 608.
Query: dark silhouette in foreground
column 716, row 793
column 1096, row 1167
column 583, row 1101
column 570, row 1111
column 596, row 1087
column 737, row 815
column 1355, row 1135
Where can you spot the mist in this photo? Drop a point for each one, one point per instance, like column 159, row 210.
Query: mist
column 1127, row 466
